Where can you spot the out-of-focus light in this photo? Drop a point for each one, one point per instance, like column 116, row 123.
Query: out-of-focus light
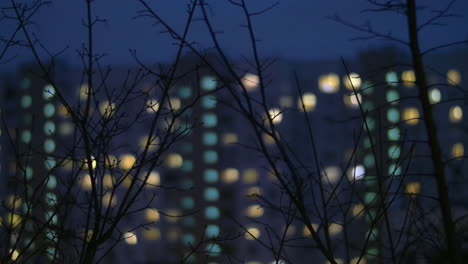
column 391, row 78
column 276, row 115
column 356, row 173
column 413, row 188
column 174, row 160
column 434, row 96
column 250, row 176
column 456, row 114
column 252, row 233
column 329, row 83
column 152, row 215
column 127, row 161
column 130, row 238
column 458, row 150
column 107, row 109
column 408, row 78
column 411, row 116
column 331, row 174
column 152, row 106
column 453, row 77
column 309, row 100
column 352, row 81
column 254, row 211
column 250, row 81
column 208, row 83
column 48, row 92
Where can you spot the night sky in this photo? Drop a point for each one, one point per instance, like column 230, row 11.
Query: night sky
column 294, row 29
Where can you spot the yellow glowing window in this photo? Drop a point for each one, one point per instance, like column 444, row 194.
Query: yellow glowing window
column 353, row 80
column 152, row 106
column 252, row 233
column 14, row 201
column 153, row 179
column 62, row 111
column 252, row 192
column 109, row 200
column 269, row 140
column 358, row 260
column 413, row 188
column 276, row 115
column 127, row 161
column 85, row 182
column 172, row 215
column 174, row 160
column 352, row 100
column 329, row 83
column 254, row 211
column 455, row 114
column 411, row 115
column 84, row 91
column 230, row 175
column 107, row 109
column 250, row 81
column 250, row 176
column 334, row 229
column 152, row 215
column 151, row 233
column 152, row 144
column 108, row 181
column 14, row 255
column 408, row 78
column 111, row 161
column 331, row 174
column 174, row 103
column 229, row 138
column 309, row 100
column 453, row 77
column 357, row 209
column 130, row 238
column 286, row 101
column 306, row 231
column 458, row 150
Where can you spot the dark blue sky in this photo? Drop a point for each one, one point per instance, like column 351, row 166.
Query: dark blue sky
column 296, row 29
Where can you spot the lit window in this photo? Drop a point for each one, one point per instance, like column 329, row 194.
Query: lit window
column 51, row 182
column 66, row 129
column 109, row 199
column 212, row 212
column 391, row 78
column 357, row 210
column 188, row 239
column 253, row 192
column 208, row 83
column 187, row 203
column 152, row 215
column 108, row 181
column 458, row 150
column 14, row 255
column 393, row 115
column 174, row 160
column 370, row 197
column 84, row 91
column 187, row 165
column 29, row 172
column 86, row 182
column 209, row 102
column 250, row 176
column 211, row 194
column 286, row 101
column 309, row 100
column 49, row 110
column 254, row 211
column 49, row 92
column 434, row 96
column 408, row 78
column 153, row 144
column 456, row 114
column 392, row 96
column 210, row 156
column 352, row 81
column 250, row 81
column 50, row 163
column 276, row 115
column 230, row 175
column 413, row 188
column 334, row 229
column 49, row 128
column 252, row 233
column 107, row 109
column 151, row 233
column 49, row 146
column 173, row 215
column 185, row 92
column 130, row 238
column 394, row 151
column 269, row 140
column 369, row 161
column 367, row 88
column 127, row 161
column 212, row 231
column 209, row 120
column 26, row 101
column 213, row 249
column 152, row 106
column 329, row 83
column 210, row 175
column 229, row 138
column 411, row 116
column 153, row 179
column 26, row 136
column 394, row 170
column 210, row 138
column 306, row 230
column 352, row 100
column 356, row 173
column 174, row 104
column 62, row 111
column 453, row 77
column 331, row 174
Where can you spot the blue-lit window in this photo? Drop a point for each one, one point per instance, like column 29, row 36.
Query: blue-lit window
column 49, row 92
column 212, row 212
column 51, row 198
column 211, row 194
column 49, row 128
column 26, row 101
column 394, row 151
column 188, row 239
column 369, row 161
column 210, row 138
column 186, row 148
column 29, row 173
column 210, row 156
column 185, row 92
column 51, row 182
column 392, row 97
column 209, row 102
column 211, row 175
column 213, row 249
column 49, row 110
column 208, row 83
column 212, row 231
column 49, row 146
column 210, row 120
column 393, row 170
column 188, row 221
column 393, row 115
column 26, row 136
column 370, row 197
column 392, row 78
column 393, row 134
column 188, row 203
column 50, row 163
column 187, row 165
